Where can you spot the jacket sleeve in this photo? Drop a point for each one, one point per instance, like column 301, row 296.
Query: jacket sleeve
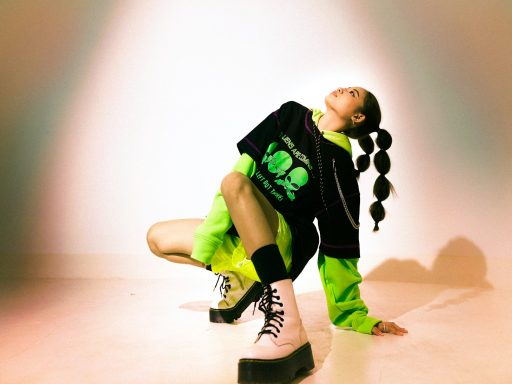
column 340, row 279
column 209, row 235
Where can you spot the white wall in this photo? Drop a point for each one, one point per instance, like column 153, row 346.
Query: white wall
column 147, row 126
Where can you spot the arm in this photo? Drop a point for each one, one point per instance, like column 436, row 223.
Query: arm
column 340, row 279
column 210, row 234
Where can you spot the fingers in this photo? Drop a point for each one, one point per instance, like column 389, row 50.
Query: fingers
column 388, row 327
column 394, row 329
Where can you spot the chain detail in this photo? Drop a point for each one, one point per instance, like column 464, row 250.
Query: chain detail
column 350, row 218
column 319, row 161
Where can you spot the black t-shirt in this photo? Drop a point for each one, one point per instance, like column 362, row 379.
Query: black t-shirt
column 304, row 177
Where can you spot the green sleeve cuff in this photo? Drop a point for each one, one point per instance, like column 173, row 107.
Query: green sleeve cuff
column 245, row 165
column 366, row 325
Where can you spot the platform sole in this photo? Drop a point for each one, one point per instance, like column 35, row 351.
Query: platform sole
column 228, row 315
column 252, row 371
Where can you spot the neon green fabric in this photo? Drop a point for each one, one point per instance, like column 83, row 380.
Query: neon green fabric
column 317, row 114
column 334, row 137
column 340, row 279
column 210, row 234
column 231, row 255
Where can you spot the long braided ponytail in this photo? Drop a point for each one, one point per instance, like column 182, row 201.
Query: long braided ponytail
column 382, row 186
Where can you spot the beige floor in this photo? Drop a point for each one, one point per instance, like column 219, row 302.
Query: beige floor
column 157, row 331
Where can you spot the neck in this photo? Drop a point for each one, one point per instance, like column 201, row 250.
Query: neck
column 330, row 122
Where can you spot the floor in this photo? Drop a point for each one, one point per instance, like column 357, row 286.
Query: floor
column 157, row 331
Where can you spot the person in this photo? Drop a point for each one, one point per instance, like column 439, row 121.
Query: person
column 294, row 167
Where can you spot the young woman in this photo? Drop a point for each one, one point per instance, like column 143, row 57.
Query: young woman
column 295, row 166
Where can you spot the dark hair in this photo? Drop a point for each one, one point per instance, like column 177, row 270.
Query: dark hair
column 382, row 186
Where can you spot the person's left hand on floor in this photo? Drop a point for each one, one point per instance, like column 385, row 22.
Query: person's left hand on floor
column 388, row 327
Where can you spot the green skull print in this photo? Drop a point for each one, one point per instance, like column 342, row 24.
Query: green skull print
column 297, row 178
column 278, row 162
column 269, row 151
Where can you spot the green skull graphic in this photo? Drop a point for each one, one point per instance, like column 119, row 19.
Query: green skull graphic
column 278, row 162
column 297, row 178
column 269, row 151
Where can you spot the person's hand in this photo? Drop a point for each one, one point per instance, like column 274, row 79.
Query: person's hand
column 388, row 327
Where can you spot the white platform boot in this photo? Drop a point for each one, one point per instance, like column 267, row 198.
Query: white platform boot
column 281, row 349
column 236, row 292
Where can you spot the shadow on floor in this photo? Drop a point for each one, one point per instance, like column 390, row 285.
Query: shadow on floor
column 460, row 264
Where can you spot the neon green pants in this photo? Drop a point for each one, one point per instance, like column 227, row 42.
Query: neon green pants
column 231, row 255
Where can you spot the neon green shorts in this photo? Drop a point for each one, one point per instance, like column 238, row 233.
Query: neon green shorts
column 231, row 255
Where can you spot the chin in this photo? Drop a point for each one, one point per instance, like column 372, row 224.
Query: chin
column 327, row 100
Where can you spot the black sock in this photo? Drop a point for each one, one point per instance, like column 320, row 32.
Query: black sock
column 269, row 264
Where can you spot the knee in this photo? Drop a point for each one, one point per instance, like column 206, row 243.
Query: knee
column 152, row 238
column 235, row 184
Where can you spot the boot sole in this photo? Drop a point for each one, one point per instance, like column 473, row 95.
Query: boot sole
column 228, row 315
column 251, row 371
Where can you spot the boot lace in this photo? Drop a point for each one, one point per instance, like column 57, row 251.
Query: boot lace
column 224, row 286
column 273, row 318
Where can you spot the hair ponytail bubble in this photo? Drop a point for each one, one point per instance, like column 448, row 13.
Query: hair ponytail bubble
column 366, row 144
column 382, row 162
column 378, row 213
column 382, row 188
column 363, row 161
column 384, row 139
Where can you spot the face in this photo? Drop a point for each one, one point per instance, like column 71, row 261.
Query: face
column 346, row 104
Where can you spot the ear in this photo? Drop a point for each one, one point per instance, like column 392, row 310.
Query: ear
column 358, row 118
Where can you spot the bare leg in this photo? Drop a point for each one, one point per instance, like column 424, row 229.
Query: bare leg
column 173, row 240
column 254, row 217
